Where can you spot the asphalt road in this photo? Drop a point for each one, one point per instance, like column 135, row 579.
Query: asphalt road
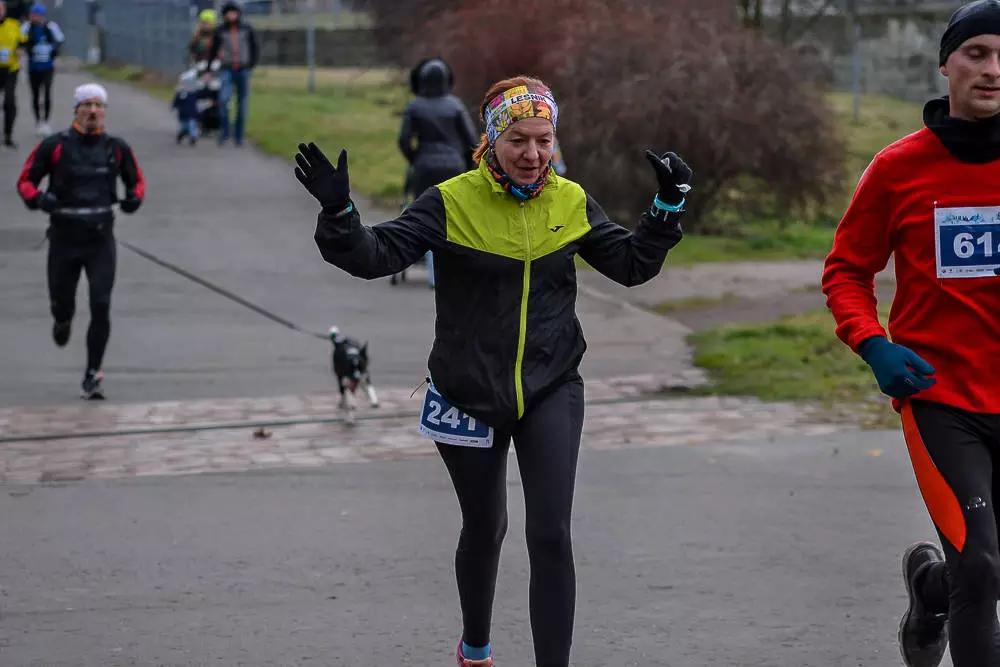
column 769, row 554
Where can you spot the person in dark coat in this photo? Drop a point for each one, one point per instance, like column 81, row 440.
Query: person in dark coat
column 437, row 136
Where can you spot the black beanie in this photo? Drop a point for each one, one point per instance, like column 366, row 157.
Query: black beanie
column 981, row 17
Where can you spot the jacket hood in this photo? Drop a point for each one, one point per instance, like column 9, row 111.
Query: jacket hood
column 431, row 78
column 971, row 141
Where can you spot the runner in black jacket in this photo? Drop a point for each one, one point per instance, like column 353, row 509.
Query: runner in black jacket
column 83, row 165
column 508, row 343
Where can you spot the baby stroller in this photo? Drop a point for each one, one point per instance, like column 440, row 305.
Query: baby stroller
column 209, row 109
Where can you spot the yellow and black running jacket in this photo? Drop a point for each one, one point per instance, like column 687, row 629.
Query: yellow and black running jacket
column 505, row 280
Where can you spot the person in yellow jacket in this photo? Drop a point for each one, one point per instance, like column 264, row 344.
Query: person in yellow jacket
column 11, row 41
column 200, row 46
column 504, row 365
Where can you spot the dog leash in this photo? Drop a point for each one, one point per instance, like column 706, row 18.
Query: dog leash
column 219, row 290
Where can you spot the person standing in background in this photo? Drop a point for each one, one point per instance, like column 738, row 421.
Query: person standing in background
column 200, row 46
column 235, row 46
column 436, row 136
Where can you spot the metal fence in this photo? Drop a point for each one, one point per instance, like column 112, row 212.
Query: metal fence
column 154, row 34
column 76, row 20
column 151, row 34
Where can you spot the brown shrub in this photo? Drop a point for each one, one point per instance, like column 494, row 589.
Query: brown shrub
column 679, row 75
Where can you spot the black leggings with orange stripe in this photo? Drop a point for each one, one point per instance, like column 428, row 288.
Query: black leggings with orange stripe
column 956, row 458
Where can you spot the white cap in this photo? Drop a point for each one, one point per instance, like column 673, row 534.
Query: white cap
column 89, row 91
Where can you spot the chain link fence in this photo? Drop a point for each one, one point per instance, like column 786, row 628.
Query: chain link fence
column 151, row 34
column 154, row 34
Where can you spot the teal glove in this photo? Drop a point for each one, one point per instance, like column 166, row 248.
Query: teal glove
column 898, row 370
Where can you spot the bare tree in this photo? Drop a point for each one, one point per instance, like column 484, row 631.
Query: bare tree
column 733, row 103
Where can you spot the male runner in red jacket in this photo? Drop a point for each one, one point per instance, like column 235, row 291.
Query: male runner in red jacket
column 932, row 199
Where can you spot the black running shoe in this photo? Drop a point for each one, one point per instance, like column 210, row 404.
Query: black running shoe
column 60, row 333
column 9, row 142
column 92, row 390
column 923, row 635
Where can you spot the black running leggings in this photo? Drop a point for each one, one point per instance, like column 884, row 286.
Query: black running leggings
column 41, row 82
column 8, row 87
column 547, row 443
column 956, row 458
column 67, row 258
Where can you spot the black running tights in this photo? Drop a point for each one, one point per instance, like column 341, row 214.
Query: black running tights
column 546, row 443
column 8, row 87
column 67, row 259
column 41, row 82
column 956, row 458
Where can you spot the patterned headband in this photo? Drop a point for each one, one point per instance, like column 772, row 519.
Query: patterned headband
column 516, row 104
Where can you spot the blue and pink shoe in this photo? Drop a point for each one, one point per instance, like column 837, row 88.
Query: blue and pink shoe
column 466, row 662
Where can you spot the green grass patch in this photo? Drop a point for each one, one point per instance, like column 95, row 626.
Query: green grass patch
column 692, row 303
column 758, row 240
column 361, row 119
column 344, row 20
column 353, row 109
column 881, row 121
column 796, row 358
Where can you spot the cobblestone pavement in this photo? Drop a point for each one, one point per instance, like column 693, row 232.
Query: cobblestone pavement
column 70, row 443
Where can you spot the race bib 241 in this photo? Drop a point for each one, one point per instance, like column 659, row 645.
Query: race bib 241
column 447, row 425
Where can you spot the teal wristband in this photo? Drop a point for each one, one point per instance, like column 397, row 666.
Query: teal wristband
column 350, row 207
column 672, row 208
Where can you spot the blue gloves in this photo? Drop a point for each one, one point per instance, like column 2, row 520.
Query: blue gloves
column 898, row 370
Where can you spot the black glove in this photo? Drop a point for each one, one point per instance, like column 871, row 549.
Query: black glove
column 131, row 203
column 330, row 185
column 48, row 202
column 673, row 176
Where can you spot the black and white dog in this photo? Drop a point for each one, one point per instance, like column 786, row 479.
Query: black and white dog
column 350, row 366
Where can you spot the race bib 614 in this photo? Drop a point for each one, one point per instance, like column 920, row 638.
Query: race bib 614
column 967, row 241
